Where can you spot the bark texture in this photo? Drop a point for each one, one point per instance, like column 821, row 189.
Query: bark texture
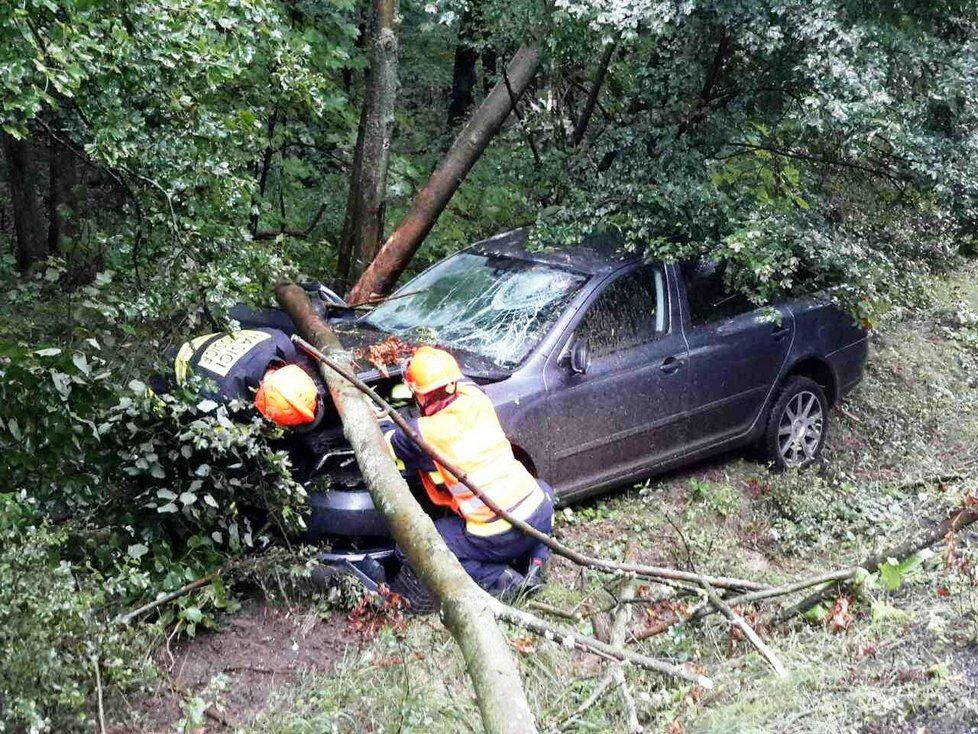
column 428, row 205
column 364, row 223
column 467, row 611
column 31, row 242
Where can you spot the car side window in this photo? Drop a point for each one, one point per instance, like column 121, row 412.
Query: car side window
column 707, row 294
column 629, row 312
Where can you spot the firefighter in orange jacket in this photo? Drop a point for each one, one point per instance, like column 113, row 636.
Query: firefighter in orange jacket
column 460, row 422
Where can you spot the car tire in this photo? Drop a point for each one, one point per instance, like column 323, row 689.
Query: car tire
column 797, row 425
column 410, row 587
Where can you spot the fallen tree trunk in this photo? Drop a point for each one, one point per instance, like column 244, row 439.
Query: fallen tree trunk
column 581, row 559
column 428, row 205
column 466, row 610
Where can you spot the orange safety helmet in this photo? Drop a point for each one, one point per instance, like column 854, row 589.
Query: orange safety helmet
column 287, row 396
column 429, row 369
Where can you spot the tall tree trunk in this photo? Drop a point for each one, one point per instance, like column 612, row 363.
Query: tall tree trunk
column 592, row 99
column 263, row 167
column 466, row 610
column 464, row 77
column 484, row 123
column 31, row 245
column 345, row 254
column 61, row 187
column 364, row 224
column 489, row 59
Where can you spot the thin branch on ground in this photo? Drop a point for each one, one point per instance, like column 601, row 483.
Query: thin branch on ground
column 573, row 640
column 959, row 518
column 702, row 610
column 98, row 690
column 553, row 611
column 619, row 628
column 166, row 598
column 766, row 652
column 595, row 696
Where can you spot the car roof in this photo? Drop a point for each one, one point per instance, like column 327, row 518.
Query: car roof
column 597, row 254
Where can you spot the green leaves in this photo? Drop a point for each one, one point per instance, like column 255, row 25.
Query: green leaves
column 797, row 141
column 894, row 572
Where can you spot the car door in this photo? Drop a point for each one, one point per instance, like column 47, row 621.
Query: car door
column 624, row 412
column 736, row 352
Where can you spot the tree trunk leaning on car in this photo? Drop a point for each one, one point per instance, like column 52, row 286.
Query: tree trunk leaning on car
column 466, row 610
column 394, row 256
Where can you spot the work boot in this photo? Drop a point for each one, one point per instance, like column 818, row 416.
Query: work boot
column 507, row 585
column 534, row 580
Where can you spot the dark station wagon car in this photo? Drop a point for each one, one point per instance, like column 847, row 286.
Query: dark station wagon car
column 604, row 369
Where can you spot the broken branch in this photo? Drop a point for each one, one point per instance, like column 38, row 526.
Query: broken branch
column 167, row 598
column 960, row 518
column 735, row 619
column 571, row 639
column 619, row 628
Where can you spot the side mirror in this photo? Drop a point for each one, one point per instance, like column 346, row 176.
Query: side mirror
column 580, row 360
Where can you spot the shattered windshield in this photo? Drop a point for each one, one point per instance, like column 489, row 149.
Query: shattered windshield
column 496, row 307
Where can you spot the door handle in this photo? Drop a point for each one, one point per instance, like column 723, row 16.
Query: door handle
column 780, row 332
column 670, row 365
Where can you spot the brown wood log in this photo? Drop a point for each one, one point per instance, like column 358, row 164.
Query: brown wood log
column 394, row 256
column 466, row 610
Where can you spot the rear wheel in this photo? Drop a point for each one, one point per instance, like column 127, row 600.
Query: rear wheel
column 797, row 425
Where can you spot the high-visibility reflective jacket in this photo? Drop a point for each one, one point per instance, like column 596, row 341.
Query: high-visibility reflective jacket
column 236, row 362
column 467, row 433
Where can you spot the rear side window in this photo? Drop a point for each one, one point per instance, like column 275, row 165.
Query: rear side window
column 709, row 299
column 629, row 312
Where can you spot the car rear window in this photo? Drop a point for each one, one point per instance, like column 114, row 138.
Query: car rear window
column 707, row 294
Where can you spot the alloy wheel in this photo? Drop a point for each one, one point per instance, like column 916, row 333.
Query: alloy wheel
column 800, row 429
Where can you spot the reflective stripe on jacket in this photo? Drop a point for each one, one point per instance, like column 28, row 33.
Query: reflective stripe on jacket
column 467, row 433
column 236, row 362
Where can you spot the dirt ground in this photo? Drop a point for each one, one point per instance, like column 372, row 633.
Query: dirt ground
column 238, row 668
